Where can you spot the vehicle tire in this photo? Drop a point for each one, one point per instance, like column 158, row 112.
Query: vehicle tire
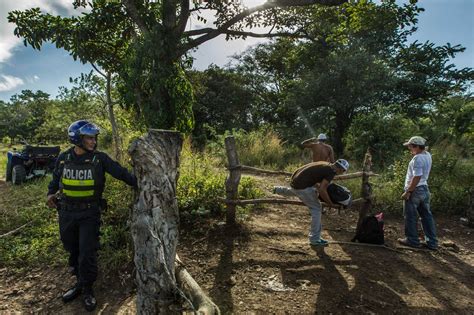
column 18, row 174
column 8, row 172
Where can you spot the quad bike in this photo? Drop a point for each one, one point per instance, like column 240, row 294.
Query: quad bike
column 32, row 161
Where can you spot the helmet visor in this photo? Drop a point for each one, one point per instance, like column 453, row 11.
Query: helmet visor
column 89, row 130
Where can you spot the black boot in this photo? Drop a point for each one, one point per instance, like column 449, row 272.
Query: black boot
column 89, row 299
column 72, row 293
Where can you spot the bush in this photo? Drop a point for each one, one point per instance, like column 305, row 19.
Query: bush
column 38, row 242
column 116, row 244
column 449, row 183
column 202, row 182
column 382, row 132
column 450, row 180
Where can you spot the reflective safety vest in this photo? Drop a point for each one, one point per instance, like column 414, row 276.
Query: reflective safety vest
column 81, row 181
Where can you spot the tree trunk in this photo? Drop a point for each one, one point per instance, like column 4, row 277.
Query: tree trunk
column 342, row 123
column 113, row 122
column 155, row 219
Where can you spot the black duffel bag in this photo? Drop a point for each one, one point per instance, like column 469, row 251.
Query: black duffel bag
column 339, row 195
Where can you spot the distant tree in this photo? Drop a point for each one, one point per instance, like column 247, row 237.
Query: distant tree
column 451, row 122
column 272, row 69
column 359, row 58
column 21, row 117
column 146, row 43
column 71, row 105
column 380, row 130
column 103, row 88
column 224, row 101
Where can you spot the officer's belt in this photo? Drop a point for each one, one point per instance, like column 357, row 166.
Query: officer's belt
column 80, row 206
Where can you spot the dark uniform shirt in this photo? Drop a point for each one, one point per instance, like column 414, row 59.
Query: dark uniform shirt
column 106, row 165
column 310, row 174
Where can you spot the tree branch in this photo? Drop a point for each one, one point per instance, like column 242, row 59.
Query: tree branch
column 199, row 8
column 247, row 12
column 134, row 15
column 265, row 35
column 183, row 17
column 248, row 34
column 169, row 8
column 199, row 31
column 97, row 69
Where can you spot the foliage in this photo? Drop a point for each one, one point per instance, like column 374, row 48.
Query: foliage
column 23, row 115
column 259, row 148
column 116, row 239
column 37, row 243
column 146, row 43
column 451, row 122
column 382, row 132
column 449, row 182
column 201, row 183
column 357, row 59
column 223, row 100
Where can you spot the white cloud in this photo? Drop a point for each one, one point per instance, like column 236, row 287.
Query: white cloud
column 219, row 50
column 32, row 79
column 8, row 41
column 8, row 83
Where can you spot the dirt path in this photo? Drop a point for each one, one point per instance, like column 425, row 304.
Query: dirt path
column 245, row 270
column 266, row 266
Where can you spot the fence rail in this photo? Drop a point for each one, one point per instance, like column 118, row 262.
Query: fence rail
column 255, row 170
column 236, row 170
column 239, row 202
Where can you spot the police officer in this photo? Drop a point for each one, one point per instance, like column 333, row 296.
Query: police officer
column 76, row 191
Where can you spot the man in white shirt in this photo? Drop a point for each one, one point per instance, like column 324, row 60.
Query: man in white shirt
column 416, row 196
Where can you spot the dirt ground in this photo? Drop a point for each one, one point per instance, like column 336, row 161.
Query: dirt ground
column 266, row 266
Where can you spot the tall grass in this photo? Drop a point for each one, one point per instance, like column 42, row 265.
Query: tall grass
column 202, row 182
column 200, row 185
column 260, row 148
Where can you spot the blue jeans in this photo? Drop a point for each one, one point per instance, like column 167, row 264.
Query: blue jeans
column 309, row 196
column 419, row 204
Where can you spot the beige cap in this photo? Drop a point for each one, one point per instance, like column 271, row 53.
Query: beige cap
column 416, row 140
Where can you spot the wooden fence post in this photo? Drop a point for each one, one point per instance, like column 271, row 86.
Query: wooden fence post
column 366, row 189
column 233, row 180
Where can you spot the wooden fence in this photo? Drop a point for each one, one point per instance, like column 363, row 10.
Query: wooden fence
column 236, row 170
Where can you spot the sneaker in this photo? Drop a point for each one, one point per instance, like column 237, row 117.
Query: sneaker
column 425, row 245
column 320, row 242
column 404, row 242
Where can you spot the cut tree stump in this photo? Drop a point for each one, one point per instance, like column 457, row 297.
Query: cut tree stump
column 155, row 220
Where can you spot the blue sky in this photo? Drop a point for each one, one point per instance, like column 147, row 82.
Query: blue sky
column 24, row 68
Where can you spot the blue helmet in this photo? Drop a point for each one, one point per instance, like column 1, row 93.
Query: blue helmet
column 81, row 128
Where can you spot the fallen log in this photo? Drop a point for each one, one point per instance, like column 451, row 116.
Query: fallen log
column 200, row 302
